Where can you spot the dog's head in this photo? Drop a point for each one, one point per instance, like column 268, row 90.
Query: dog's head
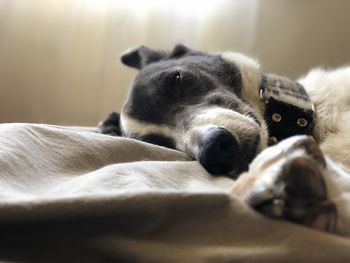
column 206, row 105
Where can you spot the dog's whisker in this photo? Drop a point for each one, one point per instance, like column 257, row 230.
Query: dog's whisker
column 228, row 106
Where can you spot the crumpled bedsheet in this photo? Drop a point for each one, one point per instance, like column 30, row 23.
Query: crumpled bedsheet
column 69, row 194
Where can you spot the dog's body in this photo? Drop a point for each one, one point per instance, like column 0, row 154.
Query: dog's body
column 218, row 109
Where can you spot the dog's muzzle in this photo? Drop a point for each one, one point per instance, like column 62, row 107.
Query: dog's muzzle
column 218, row 151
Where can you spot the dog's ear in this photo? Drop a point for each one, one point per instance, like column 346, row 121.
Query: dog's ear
column 111, row 125
column 141, row 57
column 180, row 50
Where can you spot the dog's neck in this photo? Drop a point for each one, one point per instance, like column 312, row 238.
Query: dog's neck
column 288, row 108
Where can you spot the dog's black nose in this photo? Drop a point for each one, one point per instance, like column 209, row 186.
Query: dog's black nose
column 218, row 151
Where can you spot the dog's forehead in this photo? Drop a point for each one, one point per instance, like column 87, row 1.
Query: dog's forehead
column 194, row 63
column 212, row 69
column 219, row 64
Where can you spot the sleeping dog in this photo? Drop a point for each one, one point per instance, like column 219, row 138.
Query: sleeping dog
column 222, row 110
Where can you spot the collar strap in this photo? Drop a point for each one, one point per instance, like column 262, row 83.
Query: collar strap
column 288, row 108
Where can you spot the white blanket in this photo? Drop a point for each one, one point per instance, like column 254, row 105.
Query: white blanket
column 70, row 194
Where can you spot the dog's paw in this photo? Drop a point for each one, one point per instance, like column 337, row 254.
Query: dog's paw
column 111, row 125
column 287, row 182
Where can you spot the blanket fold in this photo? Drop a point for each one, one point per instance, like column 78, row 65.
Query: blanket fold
column 72, row 195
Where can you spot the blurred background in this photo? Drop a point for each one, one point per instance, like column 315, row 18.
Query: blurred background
column 59, row 59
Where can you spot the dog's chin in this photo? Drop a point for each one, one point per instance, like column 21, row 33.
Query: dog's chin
column 235, row 173
column 242, row 164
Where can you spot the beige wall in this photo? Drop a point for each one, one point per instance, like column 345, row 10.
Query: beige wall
column 59, row 59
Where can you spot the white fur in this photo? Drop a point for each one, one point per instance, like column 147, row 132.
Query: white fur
column 330, row 92
column 143, row 128
column 251, row 77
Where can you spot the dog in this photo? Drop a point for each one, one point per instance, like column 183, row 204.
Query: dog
column 266, row 131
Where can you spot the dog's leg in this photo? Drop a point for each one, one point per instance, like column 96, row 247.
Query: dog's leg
column 293, row 181
column 111, row 125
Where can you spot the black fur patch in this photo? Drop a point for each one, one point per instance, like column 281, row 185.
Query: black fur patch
column 158, row 139
column 111, row 125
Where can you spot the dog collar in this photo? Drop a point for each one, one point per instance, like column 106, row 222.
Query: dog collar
column 288, row 108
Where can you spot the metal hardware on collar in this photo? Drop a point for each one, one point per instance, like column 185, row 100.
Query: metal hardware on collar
column 313, row 107
column 276, row 117
column 261, row 94
column 302, row 122
column 262, row 87
column 272, row 140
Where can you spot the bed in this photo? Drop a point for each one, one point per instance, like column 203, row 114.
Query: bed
column 69, row 194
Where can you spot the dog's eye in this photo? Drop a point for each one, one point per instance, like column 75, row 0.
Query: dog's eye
column 173, row 84
column 177, row 81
